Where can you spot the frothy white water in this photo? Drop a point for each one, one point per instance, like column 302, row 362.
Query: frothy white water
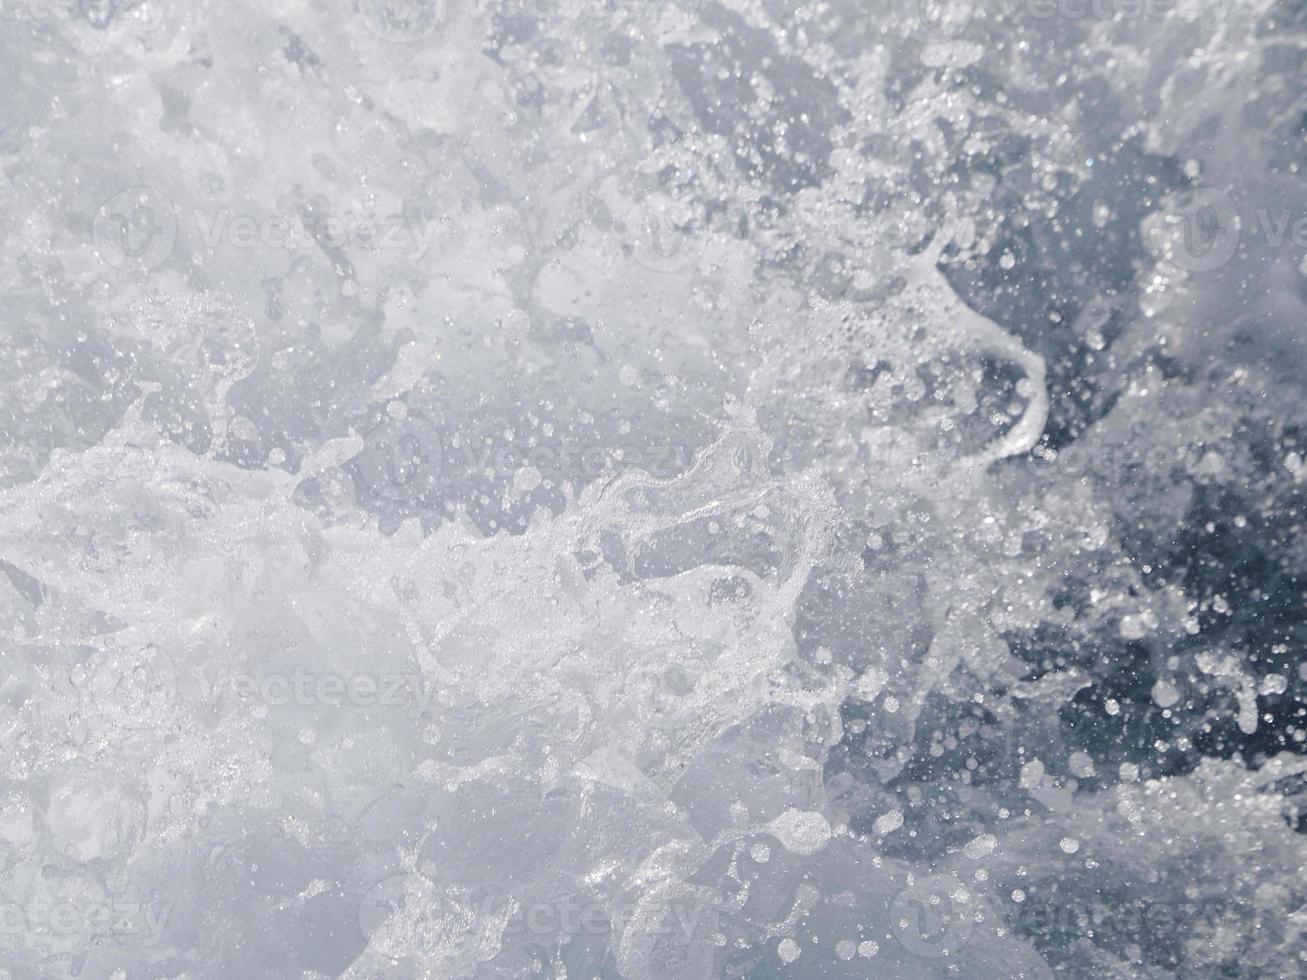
column 661, row 491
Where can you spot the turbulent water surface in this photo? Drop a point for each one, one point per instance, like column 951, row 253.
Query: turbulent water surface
column 653, row 489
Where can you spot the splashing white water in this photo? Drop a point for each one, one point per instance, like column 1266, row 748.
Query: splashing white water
column 572, row 489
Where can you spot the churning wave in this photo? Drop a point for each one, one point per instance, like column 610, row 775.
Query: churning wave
column 661, row 490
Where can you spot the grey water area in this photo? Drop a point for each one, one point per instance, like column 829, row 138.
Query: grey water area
column 664, row 490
